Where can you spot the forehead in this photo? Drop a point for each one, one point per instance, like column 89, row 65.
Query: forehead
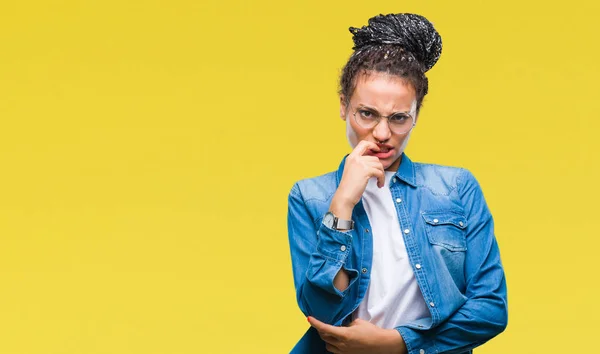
column 383, row 91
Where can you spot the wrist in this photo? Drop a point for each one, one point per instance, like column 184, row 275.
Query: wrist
column 396, row 342
column 341, row 207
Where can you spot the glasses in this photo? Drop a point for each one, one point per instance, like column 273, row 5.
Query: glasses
column 399, row 122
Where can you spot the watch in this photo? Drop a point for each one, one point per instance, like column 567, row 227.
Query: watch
column 333, row 222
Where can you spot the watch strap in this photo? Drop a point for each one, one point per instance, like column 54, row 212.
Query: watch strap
column 343, row 224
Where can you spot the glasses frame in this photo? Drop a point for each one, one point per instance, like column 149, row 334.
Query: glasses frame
column 414, row 121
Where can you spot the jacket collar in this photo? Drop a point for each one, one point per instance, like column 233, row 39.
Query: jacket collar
column 406, row 170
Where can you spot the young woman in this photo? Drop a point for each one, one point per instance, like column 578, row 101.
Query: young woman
column 390, row 255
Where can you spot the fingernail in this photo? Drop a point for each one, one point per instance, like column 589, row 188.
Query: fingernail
column 308, row 319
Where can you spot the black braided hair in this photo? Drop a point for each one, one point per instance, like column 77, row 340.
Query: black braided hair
column 406, row 45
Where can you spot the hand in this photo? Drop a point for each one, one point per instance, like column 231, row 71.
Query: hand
column 358, row 169
column 360, row 337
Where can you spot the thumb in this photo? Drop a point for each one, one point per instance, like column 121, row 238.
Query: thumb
column 325, row 328
column 316, row 323
column 356, row 322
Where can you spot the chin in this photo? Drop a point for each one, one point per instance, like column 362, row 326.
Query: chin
column 387, row 163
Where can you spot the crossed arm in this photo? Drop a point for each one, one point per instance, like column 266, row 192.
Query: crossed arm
column 321, row 289
column 359, row 337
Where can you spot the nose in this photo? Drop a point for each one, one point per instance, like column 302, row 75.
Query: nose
column 382, row 131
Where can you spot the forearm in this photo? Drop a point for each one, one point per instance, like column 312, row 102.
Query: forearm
column 476, row 322
column 343, row 210
column 316, row 298
column 341, row 280
column 320, row 259
column 329, row 278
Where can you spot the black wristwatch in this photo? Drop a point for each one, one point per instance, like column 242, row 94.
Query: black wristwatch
column 333, row 222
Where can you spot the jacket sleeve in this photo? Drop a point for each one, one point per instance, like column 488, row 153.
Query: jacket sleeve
column 318, row 253
column 485, row 313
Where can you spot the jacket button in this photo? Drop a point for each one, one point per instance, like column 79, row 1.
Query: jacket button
column 422, row 351
column 432, row 304
column 343, row 248
column 418, row 266
column 398, row 200
column 364, row 270
column 435, row 221
column 367, row 230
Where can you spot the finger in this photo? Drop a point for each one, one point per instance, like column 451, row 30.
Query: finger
column 324, row 327
column 381, row 179
column 379, row 174
column 332, row 348
column 318, row 325
column 375, row 164
column 375, row 169
column 326, row 337
column 335, row 344
column 371, row 159
column 363, row 146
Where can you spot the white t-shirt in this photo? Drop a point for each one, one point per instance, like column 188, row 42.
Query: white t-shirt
column 393, row 296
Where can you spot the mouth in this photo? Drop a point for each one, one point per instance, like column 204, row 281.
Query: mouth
column 380, row 151
column 383, row 148
column 384, row 153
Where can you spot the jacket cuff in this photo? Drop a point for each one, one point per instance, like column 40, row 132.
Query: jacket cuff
column 332, row 251
column 417, row 342
column 334, row 244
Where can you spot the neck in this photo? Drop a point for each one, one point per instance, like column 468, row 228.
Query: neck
column 394, row 166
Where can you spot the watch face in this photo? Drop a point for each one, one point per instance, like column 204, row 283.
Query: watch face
column 328, row 219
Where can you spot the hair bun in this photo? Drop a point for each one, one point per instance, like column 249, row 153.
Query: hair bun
column 412, row 32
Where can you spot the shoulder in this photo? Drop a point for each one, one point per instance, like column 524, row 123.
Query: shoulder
column 442, row 179
column 320, row 187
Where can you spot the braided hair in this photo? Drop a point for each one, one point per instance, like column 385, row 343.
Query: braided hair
column 405, row 45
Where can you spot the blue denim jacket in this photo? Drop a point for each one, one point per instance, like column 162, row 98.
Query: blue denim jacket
column 449, row 236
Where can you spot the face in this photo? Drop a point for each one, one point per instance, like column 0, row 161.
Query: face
column 387, row 94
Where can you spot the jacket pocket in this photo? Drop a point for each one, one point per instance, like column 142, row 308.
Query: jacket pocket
column 446, row 229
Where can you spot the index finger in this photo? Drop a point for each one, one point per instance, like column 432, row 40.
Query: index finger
column 325, row 328
column 363, row 146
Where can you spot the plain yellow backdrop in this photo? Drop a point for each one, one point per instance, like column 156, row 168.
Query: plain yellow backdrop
column 148, row 148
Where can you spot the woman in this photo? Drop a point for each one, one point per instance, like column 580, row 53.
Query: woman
column 390, row 255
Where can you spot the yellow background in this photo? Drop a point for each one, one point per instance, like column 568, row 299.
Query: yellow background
column 148, row 147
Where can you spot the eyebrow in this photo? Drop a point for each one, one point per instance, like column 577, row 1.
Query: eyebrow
column 360, row 105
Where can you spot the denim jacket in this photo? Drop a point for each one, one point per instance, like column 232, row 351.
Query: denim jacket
column 449, row 236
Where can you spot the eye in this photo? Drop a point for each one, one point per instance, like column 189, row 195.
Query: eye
column 400, row 118
column 366, row 114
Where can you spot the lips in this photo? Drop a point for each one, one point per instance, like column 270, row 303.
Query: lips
column 380, row 151
column 384, row 153
column 384, row 148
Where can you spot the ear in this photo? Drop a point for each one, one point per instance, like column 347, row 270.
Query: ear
column 343, row 107
column 414, row 107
